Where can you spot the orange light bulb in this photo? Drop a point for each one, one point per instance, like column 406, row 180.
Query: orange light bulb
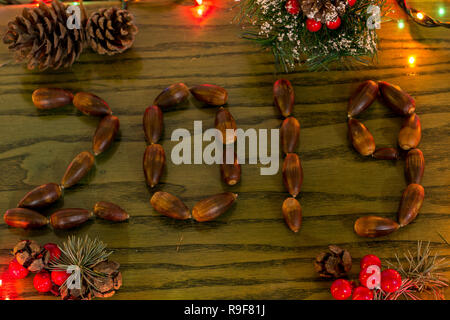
column 420, row 15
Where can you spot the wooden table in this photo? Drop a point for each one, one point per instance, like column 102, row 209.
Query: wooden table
column 248, row 253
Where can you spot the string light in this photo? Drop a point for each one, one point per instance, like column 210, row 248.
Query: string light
column 420, row 17
column 411, row 60
column 441, row 11
column 401, row 24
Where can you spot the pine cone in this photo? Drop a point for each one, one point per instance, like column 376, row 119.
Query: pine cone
column 106, row 286
column 30, row 255
column 323, row 10
column 111, row 31
column 40, row 37
column 333, row 264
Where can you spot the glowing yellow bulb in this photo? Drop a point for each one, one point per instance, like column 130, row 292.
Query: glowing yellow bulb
column 199, row 2
column 411, row 60
column 420, row 15
column 401, row 24
column 200, row 11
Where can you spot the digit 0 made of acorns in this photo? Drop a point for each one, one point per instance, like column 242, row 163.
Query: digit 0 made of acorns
column 26, row 214
column 408, row 139
column 212, row 207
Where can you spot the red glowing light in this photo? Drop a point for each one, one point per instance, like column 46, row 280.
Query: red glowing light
column 199, row 2
column 201, row 9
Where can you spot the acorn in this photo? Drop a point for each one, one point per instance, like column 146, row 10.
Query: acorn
column 170, row 205
column 415, row 166
column 77, row 169
column 105, row 134
column 386, row 154
column 373, row 226
column 41, row 196
column 171, row 96
column 210, row 208
column 69, row 218
column 410, row 133
column 363, row 97
column 210, row 94
column 361, row 137
column 284, row 96
column 412, row 200
column 397, row 99
column 289, row 134
column 50, row 98
column 292, row 174
column 292, row 212
column 24, row 218
column 91, row 105
column 230, row 172
column 226, row 125
column 110, row 211
column 153, row 124
column 153, row 163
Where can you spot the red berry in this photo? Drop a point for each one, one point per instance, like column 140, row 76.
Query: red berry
column 17, row 270
column 370, row 260
column 42, row 282
column 351, row 3
column 369, row 277
column 334, row 24
column 292, row 6
column 362, row 293
column 59, row 277
column 54, row 250
column 391, row 280
column 341, row 289
column 313, row 25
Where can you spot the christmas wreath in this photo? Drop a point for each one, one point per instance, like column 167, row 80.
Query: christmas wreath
column 314, row 32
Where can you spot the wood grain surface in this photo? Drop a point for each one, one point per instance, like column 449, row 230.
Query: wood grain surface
column 248, row 253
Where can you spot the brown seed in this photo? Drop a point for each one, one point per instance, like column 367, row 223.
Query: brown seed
column 77, row 169
column 284, row 97
column 169, row 205
column 415, row 166
column 290, row 134
column 372, row 226
column 50, row 98
column 363, row 97
column 412, row 200
column 397, row 99
column 110, row 211
column 292, row 174
column 91, row 105
column 230, row 172
column 386, row 154
column 410, row 133
column 69, row 218
column 171, row 96
column 210, row 94
column 153, row 124
column 41, row 196
column 105, row 134
column 224, row 122
column 361, row 137
column 292, row 212
column 24, row 218
column 153, row 164
column 210, row 208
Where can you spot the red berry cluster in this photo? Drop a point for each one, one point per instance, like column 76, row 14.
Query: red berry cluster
column 370, row 278
column 44, row 281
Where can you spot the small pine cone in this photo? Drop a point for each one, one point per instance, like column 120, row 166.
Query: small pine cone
column 111, row 31
column 41, row 38
column 106, row 287
column 323, row 10
column 31, row 256
column 333, row 264
column 75, row 294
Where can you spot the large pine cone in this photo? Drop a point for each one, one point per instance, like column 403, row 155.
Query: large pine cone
column 333, row 264
column 31, row 256
column 111, row 31
column 41, row 39
column 323, row 10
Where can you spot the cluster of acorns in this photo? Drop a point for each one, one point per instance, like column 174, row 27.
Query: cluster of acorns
column 26, row 214
column 370, row 280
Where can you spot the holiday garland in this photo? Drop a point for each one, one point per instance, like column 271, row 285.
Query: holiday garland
column 312, row 32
